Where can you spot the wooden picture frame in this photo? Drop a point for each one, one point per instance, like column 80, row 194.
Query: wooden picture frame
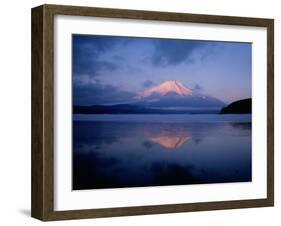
column 43, row 108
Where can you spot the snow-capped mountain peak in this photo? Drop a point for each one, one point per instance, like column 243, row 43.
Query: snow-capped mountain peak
column 171, row 86
column 173, row 94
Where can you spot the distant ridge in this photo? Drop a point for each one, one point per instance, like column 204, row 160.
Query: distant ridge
column 134, row 109
column 238, row 107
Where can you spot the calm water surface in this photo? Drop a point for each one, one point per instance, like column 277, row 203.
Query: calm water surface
column 113, row 151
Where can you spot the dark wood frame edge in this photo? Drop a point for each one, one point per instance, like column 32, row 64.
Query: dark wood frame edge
column 42, row 197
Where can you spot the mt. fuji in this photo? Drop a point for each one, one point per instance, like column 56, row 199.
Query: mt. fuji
column 173, row 94
column 168, row 87
column 169, row 97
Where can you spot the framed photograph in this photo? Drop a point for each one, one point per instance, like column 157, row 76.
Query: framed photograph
column 141, row 112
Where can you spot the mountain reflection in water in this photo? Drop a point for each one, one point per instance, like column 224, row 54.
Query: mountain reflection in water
column 110, row 154
column 171, row 141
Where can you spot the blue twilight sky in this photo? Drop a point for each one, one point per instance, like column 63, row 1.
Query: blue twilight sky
column 111, row 69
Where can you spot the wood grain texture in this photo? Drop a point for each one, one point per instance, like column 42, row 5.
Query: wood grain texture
column 42, row 203
column 37, row 159
column 43, row 108
column 270, row 111
column 156, row 15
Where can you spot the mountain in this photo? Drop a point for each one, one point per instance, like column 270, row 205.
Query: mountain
column 111, row 109
column 173, row 94
column 168, row 87
column 169, row 97
column 133, row 109
column 238, row 107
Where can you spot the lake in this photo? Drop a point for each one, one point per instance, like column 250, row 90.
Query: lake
column 115, row 151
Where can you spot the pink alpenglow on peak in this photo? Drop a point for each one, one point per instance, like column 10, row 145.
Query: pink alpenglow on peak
column 171, row 86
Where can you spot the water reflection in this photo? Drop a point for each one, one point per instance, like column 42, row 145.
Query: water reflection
column 125, row 154
column 171, row 141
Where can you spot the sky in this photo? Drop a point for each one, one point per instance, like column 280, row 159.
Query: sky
column 113, row 69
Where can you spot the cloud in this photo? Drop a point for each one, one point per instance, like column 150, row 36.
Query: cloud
column 147, row 83
column 197, row 88
column 173, row 52
column 84, row 79
column 97, row 93
column 87, row 51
